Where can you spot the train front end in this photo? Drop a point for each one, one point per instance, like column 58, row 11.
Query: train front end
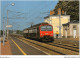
column 46, row 33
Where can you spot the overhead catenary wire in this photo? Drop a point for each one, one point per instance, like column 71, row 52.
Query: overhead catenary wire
column 41, row 9
column 17, row 14
column 39, row 14
column 33, row 12
column 37, row 7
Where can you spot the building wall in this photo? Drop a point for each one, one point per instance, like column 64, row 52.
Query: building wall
column 77, row 30
column 70, row 30
column 54, row 20
column 66, row 29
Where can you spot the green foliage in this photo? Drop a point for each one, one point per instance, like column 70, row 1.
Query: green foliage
column 1, row 32
column 71, row 8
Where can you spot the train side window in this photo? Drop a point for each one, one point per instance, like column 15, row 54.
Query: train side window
column 35, row 30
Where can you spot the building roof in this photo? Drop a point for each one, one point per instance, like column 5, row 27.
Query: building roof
column 55, row 15
column 72, row 22
column 66, row 24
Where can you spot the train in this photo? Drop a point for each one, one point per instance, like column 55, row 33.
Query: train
column 41, row 32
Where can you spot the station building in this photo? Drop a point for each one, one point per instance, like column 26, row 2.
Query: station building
column 71, row 29
column 55, row 19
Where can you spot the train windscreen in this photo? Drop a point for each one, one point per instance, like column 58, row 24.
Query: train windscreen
column 43, row 28
column 46, row 28
column 49, row 28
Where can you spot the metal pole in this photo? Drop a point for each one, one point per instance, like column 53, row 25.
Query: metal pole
column 7, row 24
column 12, row 29
column 3, row 33
column 59, row 23
column 5, row 30
column 3, row 25
column 49, row 20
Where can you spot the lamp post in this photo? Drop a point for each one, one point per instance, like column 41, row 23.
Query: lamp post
column 4, row 32
column 7, row 24
column 7, row 21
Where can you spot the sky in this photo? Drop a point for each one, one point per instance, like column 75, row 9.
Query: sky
column 23, row 13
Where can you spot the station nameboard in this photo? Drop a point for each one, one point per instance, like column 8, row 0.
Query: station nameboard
column 9, row 26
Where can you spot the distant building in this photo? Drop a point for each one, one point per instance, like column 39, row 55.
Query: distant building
column 54, row 21
column 71, row 29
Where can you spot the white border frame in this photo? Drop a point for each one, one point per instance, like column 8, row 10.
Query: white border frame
column 36, row 56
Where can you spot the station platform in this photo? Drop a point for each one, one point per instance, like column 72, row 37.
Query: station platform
column 5, row 49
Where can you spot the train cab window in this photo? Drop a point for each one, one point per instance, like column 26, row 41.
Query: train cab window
column 46, row 28
column 43, row 28
column 49, row 28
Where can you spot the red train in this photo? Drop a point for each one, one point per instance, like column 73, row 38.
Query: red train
column 42, row 32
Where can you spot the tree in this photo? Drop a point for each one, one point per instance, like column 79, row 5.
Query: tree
column 71, row 8
column 1, row 32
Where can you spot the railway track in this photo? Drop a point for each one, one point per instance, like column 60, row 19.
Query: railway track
column 66, row 46
column 59, row 48
column 69, row 47
column 56, row 52
column 73, row 46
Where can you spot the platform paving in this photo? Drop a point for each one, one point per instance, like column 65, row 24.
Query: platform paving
column 5, row 49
